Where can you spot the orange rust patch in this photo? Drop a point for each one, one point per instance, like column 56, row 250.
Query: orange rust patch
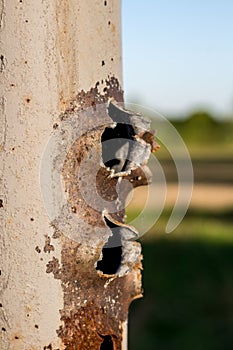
column 95, row 305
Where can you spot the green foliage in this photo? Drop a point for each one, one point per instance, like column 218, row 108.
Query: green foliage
column 201, row 128
column 187, row 275
column 188, row 297
column 188, row 285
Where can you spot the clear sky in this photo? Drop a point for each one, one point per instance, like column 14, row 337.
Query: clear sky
column 178, row 54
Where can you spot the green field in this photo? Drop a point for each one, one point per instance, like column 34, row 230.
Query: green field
column 188, row 285
column 188, row 274
column 204, row 135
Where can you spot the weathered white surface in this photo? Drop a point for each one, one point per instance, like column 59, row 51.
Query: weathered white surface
column 49, row 51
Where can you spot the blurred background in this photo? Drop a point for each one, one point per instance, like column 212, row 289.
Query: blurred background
column 178, row 60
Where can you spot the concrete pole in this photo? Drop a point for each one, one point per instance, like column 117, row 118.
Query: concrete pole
column 56, row 58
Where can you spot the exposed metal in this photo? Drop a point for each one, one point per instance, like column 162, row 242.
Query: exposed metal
column 95, row 302
column 58, row 58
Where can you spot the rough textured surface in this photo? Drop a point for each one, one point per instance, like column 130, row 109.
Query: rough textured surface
column 52, row 296
column 100, row 264
column 49, row 51
column 92, row 305
column 95, row 304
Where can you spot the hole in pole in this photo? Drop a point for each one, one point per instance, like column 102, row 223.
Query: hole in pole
column 115, row 154
column 111, row 252
column 107, row 343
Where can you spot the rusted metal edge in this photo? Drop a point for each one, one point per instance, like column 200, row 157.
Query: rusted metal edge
column 95, row 306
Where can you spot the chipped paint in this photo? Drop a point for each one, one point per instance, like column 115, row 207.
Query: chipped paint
column 54, row 297
column 48, row 247
column 96, row 302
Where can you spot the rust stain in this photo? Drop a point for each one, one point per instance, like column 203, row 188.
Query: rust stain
column 16, row 337
column 48, row 247
column 149, row 137
column 37, row 249
column 91, row 308
column 95, row 305
column 113, row 28
column 105, row 185
column 49, row 347
column 94, row 96
column 53, row 266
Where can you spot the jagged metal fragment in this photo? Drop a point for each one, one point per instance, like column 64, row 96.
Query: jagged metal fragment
column 124, row 116
column 127, row 232
column 130, row 142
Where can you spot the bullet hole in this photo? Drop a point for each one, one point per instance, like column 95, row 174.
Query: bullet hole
column 111, row 252
column 103, row 63
column 26, row 20
column 32, row 219
column 16, row 337
column 110, row 155
column 26, row 62
column 28, row 100
column 12, row 85
column 49, row 347
column 1, row 203
column 21, row 1
column 105, row 3
column 37, row 249
column 102, row 81
column 109, row 23
column 107, row 343
column 3, row 329
column 28, row 315
column 0, row 272
column 112, row 59
column 36, row 326
column 55, row 126
column 0, row 304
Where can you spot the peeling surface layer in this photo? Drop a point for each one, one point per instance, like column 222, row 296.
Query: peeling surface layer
column 100, row 277
column 49, row 52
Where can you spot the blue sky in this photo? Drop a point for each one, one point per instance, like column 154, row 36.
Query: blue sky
column 178, row 55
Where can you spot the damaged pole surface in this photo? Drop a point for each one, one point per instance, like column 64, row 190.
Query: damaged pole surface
column 64, row 282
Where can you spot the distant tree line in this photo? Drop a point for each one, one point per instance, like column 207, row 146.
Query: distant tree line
column 202, row 127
